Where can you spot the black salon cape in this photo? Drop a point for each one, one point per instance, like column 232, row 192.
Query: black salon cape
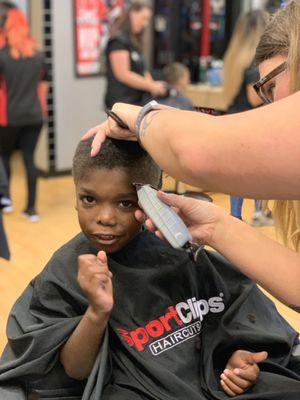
column 53, row 304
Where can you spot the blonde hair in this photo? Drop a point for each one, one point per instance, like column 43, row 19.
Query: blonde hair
column 282, row 37
column 241, row 51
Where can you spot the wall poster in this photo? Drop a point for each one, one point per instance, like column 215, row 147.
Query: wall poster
column 92, row 23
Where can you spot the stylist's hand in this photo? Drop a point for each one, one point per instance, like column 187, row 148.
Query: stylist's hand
column 201, row 217
column 127, row 113
column 158, row 88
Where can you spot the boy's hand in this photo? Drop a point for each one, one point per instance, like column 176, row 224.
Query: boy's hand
column 241, row 371
column 95, row 280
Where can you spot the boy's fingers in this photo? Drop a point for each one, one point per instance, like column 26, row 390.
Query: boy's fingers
column 226, row 389
column 99, row 278
column 94, row 275
column 86, row 258
column 232, row 386
column 259, row 357
column 90, row 265
column 101, row 256
column 250, row 374
column 236, row 379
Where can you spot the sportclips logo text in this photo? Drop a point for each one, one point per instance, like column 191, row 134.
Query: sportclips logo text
column 186, row 315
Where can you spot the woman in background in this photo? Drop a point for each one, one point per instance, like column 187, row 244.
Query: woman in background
column 127, row 78
column 240, row 74
column 22, row 97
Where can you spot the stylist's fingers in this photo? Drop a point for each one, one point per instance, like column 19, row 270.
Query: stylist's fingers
column 140, row 216
column 108, row 128
column 99, row 139
column 91, row 132
column 182, row 205
column 150, row 225
column 159, row 235
column 112, row 129
column 99, row 132
column 175, row 200
column 142, row 219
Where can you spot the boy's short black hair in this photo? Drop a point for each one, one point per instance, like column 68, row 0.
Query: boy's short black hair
column 117, row 154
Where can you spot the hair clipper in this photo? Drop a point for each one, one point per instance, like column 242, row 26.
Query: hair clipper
column 165, row 219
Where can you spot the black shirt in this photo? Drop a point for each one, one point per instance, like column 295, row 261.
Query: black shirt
column 241, row 103
column 117, row 91
column 21, row 100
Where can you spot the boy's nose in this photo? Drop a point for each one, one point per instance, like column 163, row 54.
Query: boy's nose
column 106, row 216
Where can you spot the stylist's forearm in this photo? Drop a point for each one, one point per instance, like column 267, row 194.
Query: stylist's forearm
column 135, row 81
column 270, row 264
column 252, row 154
column 171, row 138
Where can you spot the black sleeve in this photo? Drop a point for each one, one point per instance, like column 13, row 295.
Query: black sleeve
column 251, row 75
column 117, row 44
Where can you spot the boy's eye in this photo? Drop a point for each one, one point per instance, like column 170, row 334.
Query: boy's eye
column 127, row 204
column 87, row 199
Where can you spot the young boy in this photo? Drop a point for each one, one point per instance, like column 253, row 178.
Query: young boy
column 177, row 76
column 172, row 324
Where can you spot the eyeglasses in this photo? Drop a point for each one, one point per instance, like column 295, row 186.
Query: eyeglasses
column 265, row 90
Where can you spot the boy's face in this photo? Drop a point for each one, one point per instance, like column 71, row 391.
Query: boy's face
column 106, row 202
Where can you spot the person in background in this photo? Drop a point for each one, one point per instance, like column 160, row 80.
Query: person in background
column 240, row 73
column 127, row 78
column 177, row 76
column 22, row 97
